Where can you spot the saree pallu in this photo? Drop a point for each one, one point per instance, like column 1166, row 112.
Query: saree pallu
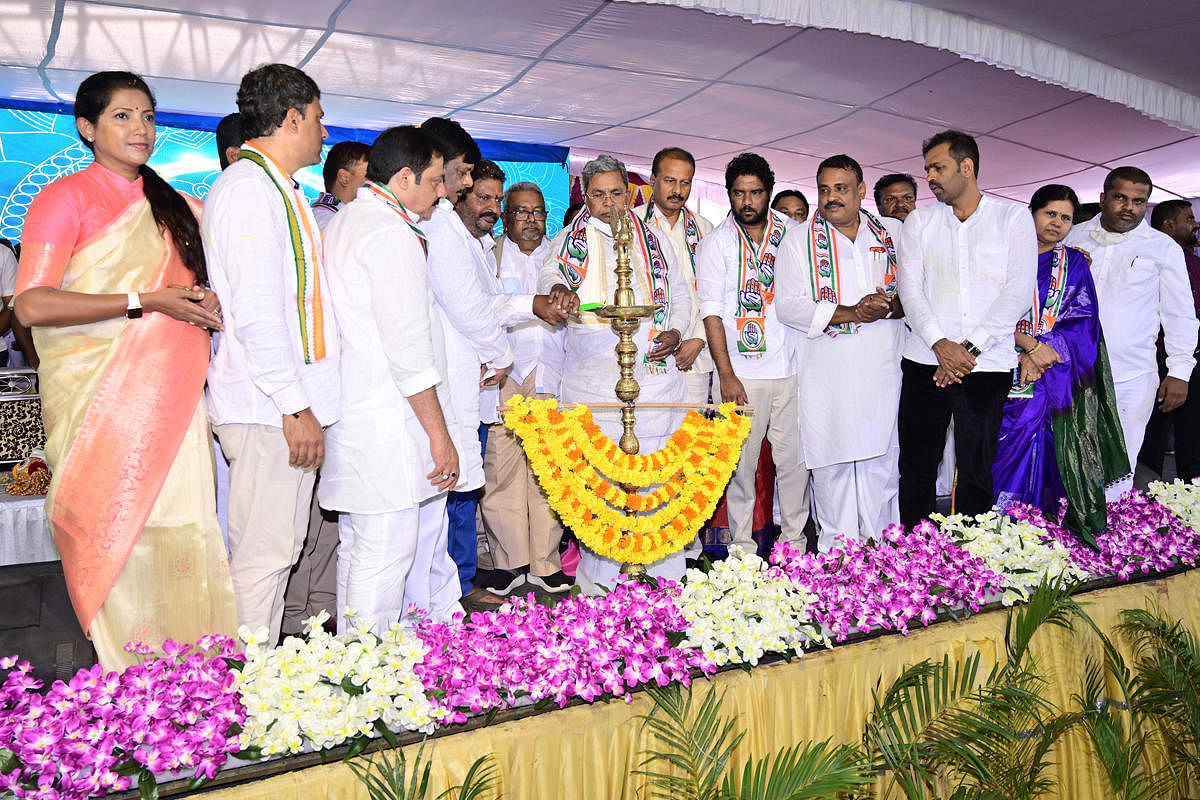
column 1065, row 439
column 132, row 500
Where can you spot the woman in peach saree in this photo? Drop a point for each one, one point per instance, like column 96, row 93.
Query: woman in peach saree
column 111, row 280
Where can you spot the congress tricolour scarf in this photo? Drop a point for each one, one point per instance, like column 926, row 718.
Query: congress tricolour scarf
column 306, row 244
column 826, row 276
column 573, row 262
column 756, row 285
column 691, row 229
column 1042, row 316
column 385, row 196
column 327, row 200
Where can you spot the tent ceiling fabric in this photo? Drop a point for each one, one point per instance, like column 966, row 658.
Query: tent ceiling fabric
column 631, row 77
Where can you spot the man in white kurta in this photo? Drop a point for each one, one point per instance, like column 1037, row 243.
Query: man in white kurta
column 755, row 354
column 393, row 455
column 458, row 267
column 1141, row 285
column 673, row 222
column 590, row 371
column 837, row 281
column 272, row 381
column 523, row 533
column 968, row 273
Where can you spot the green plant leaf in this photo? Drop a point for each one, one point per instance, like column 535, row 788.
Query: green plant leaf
column 147, row 785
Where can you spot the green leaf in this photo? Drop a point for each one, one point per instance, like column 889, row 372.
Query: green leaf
column 350, row 687
column 386, row 733
column 196, row 782
column 357, row 745
column 251, row 753
column 8, row 760
column 234, row 663
column 147, row 785
column 128, row 768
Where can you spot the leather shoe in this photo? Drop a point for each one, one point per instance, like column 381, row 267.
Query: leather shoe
column 480, row 599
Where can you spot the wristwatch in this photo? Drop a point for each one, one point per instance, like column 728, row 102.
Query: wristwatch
column 970, row 348
column 133, row 307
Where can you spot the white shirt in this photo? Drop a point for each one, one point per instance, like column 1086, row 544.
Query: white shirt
column 258, row 373
column 849, row 385
column 1141, row 284
column 392, row 346
column 459, row 270
column 8, row 281
column 717, row 269
column 590, row 370
column 677, row 235
column 536, row 344
column 971, row 279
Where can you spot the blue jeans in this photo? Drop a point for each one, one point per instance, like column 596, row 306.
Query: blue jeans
column 463, row 536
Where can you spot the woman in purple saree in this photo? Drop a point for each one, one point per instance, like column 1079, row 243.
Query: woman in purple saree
column 1060, row 436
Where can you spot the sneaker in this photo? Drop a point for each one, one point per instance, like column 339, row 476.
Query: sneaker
column 502, row 581
column 558, row 582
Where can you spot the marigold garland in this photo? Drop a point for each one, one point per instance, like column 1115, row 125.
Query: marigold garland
column 580, row 469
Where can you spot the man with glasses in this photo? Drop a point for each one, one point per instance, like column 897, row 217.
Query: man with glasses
column 580, row 267
column 523, row 533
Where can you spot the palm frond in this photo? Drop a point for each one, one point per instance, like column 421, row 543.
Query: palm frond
column 1121, row 752
column 1166, row 686
column 803, row 772
column 1051, row 603
column 386, row 776
column 924, row 719
column 481, row 779
column 698, row 742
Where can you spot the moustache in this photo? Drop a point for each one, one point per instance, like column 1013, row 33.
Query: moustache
column 746, row 210
column 487, row 215
column 675, row 197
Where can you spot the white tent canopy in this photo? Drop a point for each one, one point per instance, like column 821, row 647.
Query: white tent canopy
column 1101, row 83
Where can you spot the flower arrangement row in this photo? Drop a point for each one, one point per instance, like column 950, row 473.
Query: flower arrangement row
column 186, row 713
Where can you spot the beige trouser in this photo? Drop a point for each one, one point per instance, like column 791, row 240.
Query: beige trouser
column 777, row 419
column 312, row 585
column 520, row 527
column 269, row 505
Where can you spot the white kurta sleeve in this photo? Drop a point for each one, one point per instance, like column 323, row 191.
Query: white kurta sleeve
column 711, row 276
column 1019, row 287
column 398, row 279
column 794, row 304
column 259, row 273
column 679, row 315
column 910, row 283
column 1177, row 314
column 468, row 307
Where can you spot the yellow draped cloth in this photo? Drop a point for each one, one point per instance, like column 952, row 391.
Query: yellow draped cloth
column 132, row 501
column 589, row 752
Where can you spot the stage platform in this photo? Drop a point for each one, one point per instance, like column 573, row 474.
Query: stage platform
column 589, row 752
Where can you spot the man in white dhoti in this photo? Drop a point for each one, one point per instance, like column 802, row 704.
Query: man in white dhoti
column 580, row 267
column 391, row 459
column 837, row 287
column 1141, row 285
column 755, row 354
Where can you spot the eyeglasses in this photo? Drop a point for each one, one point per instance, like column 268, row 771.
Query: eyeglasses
column 614, row 194
column 525, row 213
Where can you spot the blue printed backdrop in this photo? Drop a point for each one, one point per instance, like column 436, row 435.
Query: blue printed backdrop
column 37, row 148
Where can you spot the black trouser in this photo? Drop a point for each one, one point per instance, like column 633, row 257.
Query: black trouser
column 1186, row 422
column 977, row 406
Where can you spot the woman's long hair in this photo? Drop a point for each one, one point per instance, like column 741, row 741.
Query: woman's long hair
column 170, row 210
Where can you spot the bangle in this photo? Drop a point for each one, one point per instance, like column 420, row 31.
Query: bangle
column 1033, row 349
